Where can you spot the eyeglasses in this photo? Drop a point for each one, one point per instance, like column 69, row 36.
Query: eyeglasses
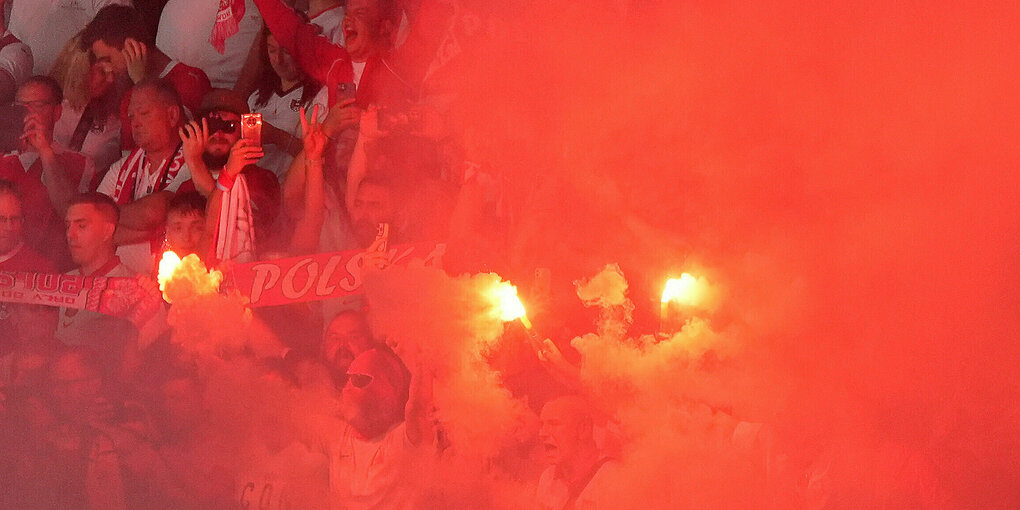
column 223, row 126
column 359, row 380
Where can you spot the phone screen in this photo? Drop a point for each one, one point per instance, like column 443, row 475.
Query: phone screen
column 12, row 126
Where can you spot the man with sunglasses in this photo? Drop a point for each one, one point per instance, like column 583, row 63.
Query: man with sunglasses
column 373, row 461
column 244, row 197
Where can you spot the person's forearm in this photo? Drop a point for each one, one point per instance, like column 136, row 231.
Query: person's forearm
column 147, row 213
column 201, row 176
column 127, row 235
column 309, row 228
column 207, row 246
column 294, row 188
column 58, row 183
column 248, row 78
column 355, row 172
column 420, row 426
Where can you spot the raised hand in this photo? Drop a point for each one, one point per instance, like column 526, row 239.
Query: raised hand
column 193, row 139
column 36, row 136
column 245, row 152
column 136, row 56
column 312, row 134
column 341, row 116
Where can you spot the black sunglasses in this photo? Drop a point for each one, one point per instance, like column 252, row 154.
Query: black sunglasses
column 223, row 126
column 359, row 380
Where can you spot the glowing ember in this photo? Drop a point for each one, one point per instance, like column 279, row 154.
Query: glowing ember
column 510, row 306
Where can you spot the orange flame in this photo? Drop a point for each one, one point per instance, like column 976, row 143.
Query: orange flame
column 179, row 278
column 686, row 290
column 509, row 305
column 167, row 265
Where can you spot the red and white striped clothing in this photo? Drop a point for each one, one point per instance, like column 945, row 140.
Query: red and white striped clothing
column 134, row 177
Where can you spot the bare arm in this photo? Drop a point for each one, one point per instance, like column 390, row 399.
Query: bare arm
column 309, row 226
column 252, row 69
column 143, row 219
column 59, row 185
column 417, row 416
column 207, row 246
column 193, row 138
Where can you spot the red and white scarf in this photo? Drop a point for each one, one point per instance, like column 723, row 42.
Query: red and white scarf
column 228, row 23
column 137, row 164
column 235, row 231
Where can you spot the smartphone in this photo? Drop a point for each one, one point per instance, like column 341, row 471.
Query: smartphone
column 251, row 127
column 346, row 90
column 12, row 126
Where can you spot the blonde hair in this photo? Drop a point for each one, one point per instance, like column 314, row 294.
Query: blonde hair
column 71, row 70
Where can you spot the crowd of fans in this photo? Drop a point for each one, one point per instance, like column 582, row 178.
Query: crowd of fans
column 123, row 138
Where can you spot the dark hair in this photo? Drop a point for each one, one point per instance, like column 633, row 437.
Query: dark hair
column 104, row 204
column 113, row 25
column 186, row 203
column 56, row 92
column 269, row 81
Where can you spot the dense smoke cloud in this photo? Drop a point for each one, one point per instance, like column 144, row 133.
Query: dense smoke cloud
column 843, row 175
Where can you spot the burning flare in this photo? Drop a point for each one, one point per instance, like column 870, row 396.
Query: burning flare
column 685, row 290
column 509, row 305
column 167, row 265
column 179, row 278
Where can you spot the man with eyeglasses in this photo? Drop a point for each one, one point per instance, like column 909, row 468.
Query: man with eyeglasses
column 46, row 173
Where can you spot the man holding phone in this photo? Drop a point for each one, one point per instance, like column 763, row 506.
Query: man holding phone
column 243, row 197
column 47, row 174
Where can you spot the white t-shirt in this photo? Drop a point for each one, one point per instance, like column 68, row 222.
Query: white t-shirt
column 83, row 327
column 101, row 144
column 47, row 25
column 284, row 113
column 553, row 491
column 359, row 70
column 292, row 479
column 16, row 59
column 183, row 34
column 145, row 179
column 374, row 475
column 330, row 22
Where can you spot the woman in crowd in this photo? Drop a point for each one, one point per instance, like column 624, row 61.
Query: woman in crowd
column 89, row 121
column 282, row 91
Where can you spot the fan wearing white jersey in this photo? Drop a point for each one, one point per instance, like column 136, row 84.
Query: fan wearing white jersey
column 282, row 91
